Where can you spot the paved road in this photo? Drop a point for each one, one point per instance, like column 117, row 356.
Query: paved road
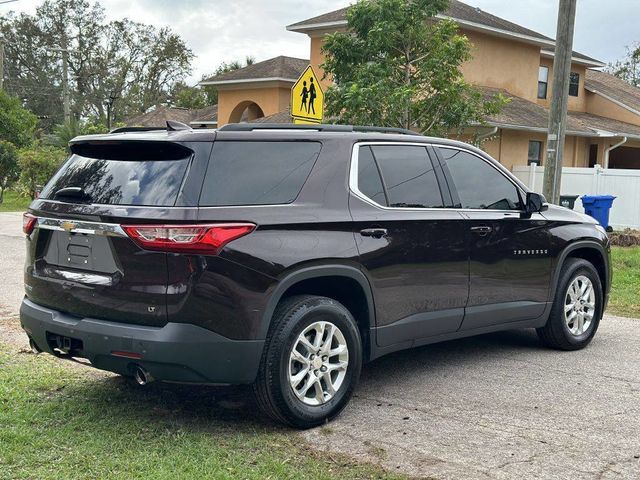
column 497, row 406
column 500, row 406
column 12, row 250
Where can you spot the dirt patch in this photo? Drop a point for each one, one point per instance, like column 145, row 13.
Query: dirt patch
column 626, row 238
column 12, row 334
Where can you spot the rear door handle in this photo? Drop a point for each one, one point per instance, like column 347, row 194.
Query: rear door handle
column 374, row 232
column 482, row 229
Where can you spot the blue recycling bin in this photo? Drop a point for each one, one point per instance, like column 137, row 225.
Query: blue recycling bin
column 598, row 207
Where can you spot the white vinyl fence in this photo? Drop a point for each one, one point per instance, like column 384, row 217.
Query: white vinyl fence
column 623, row 184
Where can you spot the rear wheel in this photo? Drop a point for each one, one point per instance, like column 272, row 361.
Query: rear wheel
column 311, row 363
column 577, row 307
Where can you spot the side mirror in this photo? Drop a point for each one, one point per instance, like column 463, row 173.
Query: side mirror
column 535, row 203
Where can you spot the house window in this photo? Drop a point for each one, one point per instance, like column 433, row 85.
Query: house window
column 543, row 81
column 574, row 84
column 535, row 152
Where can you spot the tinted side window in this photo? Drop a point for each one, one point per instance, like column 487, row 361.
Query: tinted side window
column 408, row 176
column 369, row 181
column 257, row 173
column 479, row 185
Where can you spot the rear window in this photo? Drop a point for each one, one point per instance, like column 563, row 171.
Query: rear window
column 118, row 182
column 257, row 173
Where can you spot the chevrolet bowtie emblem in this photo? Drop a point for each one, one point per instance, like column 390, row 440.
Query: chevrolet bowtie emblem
column 68, row 226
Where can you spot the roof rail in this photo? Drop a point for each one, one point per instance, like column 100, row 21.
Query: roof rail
column 249, row 127
column 401, row 131
column 136, row 129
column 320, row 127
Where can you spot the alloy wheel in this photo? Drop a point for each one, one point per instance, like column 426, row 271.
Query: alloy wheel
column 318, row 363
column 579, row 305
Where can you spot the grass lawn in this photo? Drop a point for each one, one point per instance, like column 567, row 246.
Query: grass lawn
column 14, row 203
column 58, row 420
column 625, row 291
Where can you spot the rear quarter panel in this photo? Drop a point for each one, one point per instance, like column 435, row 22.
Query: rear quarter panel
column 229, row 293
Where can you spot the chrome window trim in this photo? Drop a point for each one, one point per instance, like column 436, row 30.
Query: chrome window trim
column 353, row 179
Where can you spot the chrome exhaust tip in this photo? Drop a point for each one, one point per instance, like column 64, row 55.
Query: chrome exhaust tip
column 141, row 376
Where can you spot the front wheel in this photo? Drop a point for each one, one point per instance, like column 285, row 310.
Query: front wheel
column 577, row 307
column 311, row 363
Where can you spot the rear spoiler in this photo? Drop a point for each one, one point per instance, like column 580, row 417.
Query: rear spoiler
column 139, row 150
column 172, row 126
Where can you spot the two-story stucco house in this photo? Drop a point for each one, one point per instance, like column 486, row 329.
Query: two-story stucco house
column 604, row 112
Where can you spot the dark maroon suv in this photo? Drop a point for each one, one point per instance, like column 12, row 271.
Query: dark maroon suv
column 286, row 256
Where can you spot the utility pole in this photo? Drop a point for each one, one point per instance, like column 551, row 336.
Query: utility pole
column 1, row 63
column 65, row 86
column 559, row 100
column 109, row 103
column 2, row 2
column 66, row 101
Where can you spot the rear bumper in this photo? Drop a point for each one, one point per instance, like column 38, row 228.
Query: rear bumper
column 176, row 352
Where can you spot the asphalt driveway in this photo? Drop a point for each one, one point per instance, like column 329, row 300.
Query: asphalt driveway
column 496, row 406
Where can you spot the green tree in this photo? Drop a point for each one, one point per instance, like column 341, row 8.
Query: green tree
column 37, row 165
column 628, row 69
column 184, row 96
column 117, row 69
column 399, row 66
column 17, row 124
column 8, row 166
column 64, row 133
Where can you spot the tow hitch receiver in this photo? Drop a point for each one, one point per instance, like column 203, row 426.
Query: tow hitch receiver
column 62, row 345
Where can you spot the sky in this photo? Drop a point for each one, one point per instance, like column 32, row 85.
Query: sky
column 226, row 30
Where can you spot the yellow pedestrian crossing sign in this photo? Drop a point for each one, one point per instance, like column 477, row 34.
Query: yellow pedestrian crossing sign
column 307, row 98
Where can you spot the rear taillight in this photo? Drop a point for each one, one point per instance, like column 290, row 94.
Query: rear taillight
column 28, row 223
column 203, row 239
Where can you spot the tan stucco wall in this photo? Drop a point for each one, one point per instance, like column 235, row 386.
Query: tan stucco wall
column 502, row 63
column 496, row 62
column 271, row 99
column 598, row 105
column 511, row 148
column 576, row 104
column 317, row 58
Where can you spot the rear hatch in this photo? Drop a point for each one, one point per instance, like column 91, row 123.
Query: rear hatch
column 80, row 259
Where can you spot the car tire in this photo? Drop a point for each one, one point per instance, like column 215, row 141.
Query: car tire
column 303, row 388
column 575, row 314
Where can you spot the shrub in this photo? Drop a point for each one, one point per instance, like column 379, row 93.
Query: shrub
column 65, row 132
column 37, row 165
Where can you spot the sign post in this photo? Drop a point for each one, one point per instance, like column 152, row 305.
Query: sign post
column 307, row 99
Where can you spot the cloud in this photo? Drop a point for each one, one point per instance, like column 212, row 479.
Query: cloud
column 226, row 30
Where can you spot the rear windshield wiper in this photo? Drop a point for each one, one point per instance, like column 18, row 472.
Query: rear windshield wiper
column 74, row 192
